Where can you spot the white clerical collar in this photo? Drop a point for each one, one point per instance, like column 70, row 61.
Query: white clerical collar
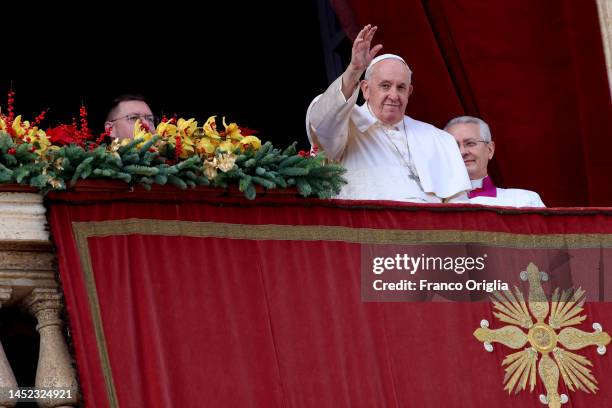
column 477, row 183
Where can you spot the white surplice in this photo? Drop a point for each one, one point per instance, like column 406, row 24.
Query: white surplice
column 508, row 197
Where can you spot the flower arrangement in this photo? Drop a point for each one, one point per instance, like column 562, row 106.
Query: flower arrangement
column 177, row 152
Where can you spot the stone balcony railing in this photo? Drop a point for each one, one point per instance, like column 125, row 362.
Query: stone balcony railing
column 28, row 282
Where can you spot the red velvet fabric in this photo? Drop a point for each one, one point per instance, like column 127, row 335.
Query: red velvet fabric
column 207, row 321
column 534, row 70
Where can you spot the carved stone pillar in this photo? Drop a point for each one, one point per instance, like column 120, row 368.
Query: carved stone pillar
column 54, row 364
column 27, row 273
column 7, row 378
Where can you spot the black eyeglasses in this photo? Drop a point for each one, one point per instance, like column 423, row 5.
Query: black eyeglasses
column 133, row 117
column 470, row 144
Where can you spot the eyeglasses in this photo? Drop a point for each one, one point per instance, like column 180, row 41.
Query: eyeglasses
column 133, row 117
column 471, row 143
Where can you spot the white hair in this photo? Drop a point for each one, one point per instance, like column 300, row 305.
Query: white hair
column 485, row 132
column 382, row 57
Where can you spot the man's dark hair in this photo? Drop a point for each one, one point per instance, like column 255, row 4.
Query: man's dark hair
column 112, row 111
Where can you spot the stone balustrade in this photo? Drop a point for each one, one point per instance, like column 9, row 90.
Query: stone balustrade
column 27, row 281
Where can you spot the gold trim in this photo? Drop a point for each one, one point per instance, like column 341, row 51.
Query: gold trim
column 84, row 230
column 342, row 234
column 94, row 305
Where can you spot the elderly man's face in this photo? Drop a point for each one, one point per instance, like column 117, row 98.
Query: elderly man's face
column 125, row 116
column 475, row 152
column 387, row 90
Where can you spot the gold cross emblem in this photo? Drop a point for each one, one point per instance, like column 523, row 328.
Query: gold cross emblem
column 542, row 340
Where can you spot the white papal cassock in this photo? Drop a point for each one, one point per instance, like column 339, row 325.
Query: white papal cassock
column 411, row 161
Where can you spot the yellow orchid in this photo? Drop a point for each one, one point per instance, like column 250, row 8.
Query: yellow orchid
column 227, row 146
column 250, row 140
column 185, row 130
column 166, row 129
column 39, row 136
column 210, row 128
column 207, row 146
column 29, row 134
column 232, row 131
column 187, row 145
column 187, row 127
column 2, row 124
column 141, row 133
column 187, row 148
column 19, row 128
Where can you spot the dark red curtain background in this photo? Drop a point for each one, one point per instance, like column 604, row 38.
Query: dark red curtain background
column 534, row 70
column 217, row 322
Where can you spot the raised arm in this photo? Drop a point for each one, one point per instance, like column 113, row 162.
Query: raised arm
column 361, row 56
column 327, row 119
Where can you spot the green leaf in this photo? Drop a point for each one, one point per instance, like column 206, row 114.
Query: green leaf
column 177, row 182
column 291, row 161
column 102, row 172
column 264, row 182
column 290, row 150
column 84, row 164
column 303, row 187
column 293, row 171
column 141, row 170
column 244, row 183
column 161, row 179
column 250, row 192
column 202, row 181
column 122, row 176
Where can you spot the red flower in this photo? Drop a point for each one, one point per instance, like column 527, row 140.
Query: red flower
column 103, row 136
column 12, row 150
column 178, row 147
column 11, row 106
column 39, row 118
column 64, row 135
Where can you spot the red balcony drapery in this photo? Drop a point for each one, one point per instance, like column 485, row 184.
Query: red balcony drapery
column 534, row 70
column 202, row 299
